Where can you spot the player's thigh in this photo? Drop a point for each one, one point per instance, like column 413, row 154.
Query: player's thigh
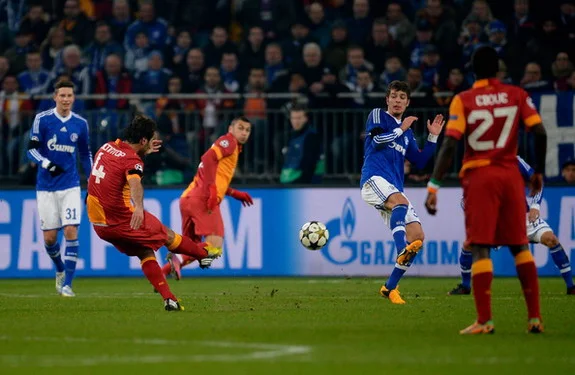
column 410, row 217
column 482, row 199
column 376, row 191
column 186, row 212
column 70, row 203
column 511, row 227
column 536, row 229
column 48, row 210
column 205, row 222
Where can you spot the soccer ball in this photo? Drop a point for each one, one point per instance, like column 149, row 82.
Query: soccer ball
column 313, row 235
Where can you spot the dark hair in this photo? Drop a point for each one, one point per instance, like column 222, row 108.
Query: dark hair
column 140, row 127
column 63, row 83
column 240, row 118
column 485, row 62
column 298, row 107
column 398, row 86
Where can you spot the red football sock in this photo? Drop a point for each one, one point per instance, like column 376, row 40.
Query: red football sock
column 166, row 269
column 527, row 273
column 153, row 272
column 482, row 276
column 186, row 246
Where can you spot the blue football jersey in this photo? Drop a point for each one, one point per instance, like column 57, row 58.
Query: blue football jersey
column 59, row 140
column 386, row 147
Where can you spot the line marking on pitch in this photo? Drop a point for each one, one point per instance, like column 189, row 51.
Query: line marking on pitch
column 258, row 351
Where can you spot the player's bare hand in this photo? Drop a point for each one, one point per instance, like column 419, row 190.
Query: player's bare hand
column 155, row 145
column 535, row 184
column 431, row 203
column 533, row 215
column 137, row 218
column 436, row 126
column 407, row 122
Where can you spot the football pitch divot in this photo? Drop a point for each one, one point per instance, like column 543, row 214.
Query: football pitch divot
column 255, row 352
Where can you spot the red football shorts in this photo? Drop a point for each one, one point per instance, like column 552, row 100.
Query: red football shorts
column 197, row 221
column 151, row 235
column 494, row 206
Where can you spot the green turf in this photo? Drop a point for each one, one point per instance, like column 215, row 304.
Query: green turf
column 269, row 326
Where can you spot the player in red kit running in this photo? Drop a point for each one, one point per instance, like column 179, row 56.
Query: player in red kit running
column 115, row 205
column 488, row 115
column 200, row 202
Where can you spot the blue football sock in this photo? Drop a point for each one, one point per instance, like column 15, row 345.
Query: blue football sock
column 70, row 259
column 465, row 261
column 562, row 262
column 54, row 253
column 397, row 224
column 395, row 276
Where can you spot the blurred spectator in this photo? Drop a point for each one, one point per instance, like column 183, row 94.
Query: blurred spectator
column 156, row 29
column 355, row 61
column 274, row 65
column 137, row 57
column 481, row 12
column 421, row 94
column 454, row 84
column 193, row 74
column 292, row 47
column 274, row 16
column 393, row 71
column 571, row 81
column 4, row 68
column 319, row 25
column 210, row 109
column 254, row 107
column 153, row 80
column 545, row 46
column 17, row 54
column 423, row 37
column 380, row 45
column 174, row 109
column 469, row 40
column 78, row 28
column 336, row 51
column 502, row 73
column 113, row 79
column 35, row 23
column 217, row 45
column 11, row 13
column 364, row 87
column 443, row 25
column 312, row 67
column 176, row 54
column 252, row 52
column 52, row 47
column 324, row 93
column 5, row 37
column 567, row 19
column 561, row 68
column 431, row 66
column 522, row 27
column 102, row 46
column 399, row 26
column 73, row 67
column 567, row 173
column 120, row 20
column 12, row 126
column 359, row 25
column 302, row 153
column 533, row 81
column 34, row 80
column 230, row 72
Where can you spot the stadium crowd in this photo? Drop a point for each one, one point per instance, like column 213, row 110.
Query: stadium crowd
column 316, row 49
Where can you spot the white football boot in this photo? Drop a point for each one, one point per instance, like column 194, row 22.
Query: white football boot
column 60, row 276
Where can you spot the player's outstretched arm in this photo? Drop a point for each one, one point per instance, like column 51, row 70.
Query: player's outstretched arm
column 137, row 195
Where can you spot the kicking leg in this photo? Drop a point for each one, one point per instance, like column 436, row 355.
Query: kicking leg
column 154, row 274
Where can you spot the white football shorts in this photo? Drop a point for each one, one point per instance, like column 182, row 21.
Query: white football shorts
column 58, row 209
column 375, row 192
column 536, row 229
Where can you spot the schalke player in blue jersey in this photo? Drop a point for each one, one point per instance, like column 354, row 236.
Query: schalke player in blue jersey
column 389, row 141
column 58, row 135
column 538, row 231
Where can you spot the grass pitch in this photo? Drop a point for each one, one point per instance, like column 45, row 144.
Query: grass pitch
column 276, row 326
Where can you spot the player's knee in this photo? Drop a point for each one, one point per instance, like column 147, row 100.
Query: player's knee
column 70, row 232
column 414, row 232
column 549, row 239
column 50, row 237
column 396, row 199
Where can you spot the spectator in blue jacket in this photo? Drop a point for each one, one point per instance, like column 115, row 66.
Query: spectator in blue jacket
column 33, row 80
column 102, row 46
column 154, row 80
column 155, row 28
